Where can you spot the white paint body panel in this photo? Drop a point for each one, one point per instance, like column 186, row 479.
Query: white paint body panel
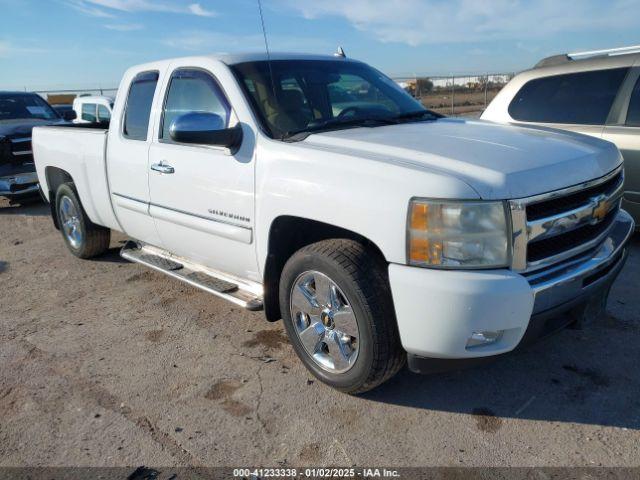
column 359, row 179
column 128, row 163
column 497, row 161
column 440, row 309
column 81, row 153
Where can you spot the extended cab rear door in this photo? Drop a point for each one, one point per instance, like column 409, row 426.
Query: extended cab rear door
column 130, row 136
column 202, row 197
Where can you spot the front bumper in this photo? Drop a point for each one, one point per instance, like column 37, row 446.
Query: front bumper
column 20, row 184
column 438, row 310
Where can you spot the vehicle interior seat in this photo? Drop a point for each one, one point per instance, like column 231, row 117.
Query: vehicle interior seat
column 292, row 114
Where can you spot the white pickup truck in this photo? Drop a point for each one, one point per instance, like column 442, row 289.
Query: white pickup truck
column 377, row 230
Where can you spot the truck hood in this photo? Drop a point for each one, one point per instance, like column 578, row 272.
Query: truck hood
column 21, row 127
column 497, row 161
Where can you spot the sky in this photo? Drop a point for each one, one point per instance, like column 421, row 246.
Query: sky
column 56, row 44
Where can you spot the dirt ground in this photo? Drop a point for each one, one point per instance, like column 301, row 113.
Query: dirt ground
column 106, row 363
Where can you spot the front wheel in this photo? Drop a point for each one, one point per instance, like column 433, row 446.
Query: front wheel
column 84, row 238
column 338, row 312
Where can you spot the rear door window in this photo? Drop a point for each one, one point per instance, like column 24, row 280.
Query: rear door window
column 104, row 115
column 633, row 113
column 89, row 112
column 583, row 98
column 138, row 110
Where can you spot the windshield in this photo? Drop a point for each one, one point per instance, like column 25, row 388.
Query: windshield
column 27, row 106
column 321, row 95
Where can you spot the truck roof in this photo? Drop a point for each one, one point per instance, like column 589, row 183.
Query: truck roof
column 233, row 59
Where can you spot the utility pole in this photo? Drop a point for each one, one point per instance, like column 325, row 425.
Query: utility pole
column 486, row 86
column 453, row 94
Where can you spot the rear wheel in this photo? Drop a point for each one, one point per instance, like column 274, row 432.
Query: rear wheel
column 84, row 238
column 338, row 312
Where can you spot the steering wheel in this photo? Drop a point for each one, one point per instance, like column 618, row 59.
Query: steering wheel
column 349, row 110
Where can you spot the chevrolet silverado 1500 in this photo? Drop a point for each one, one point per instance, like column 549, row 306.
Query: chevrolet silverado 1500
column 377, row 230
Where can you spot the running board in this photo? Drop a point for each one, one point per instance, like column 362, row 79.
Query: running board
column 243, row 294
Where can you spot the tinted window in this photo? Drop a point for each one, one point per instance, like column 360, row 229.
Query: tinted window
column 578, row 98
column 103, row 114
column 25, row 105
column 136, row 117
column 89, row 112
column 192, row 91
column 633, row 114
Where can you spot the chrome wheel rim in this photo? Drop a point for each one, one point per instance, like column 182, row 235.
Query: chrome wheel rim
column 70, row 220
column 324, row 322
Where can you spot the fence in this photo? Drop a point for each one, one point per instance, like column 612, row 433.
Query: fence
column 67, row 95
column 454, row 95
column 466, row 95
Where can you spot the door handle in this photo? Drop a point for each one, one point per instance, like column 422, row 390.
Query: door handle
column 162, row 167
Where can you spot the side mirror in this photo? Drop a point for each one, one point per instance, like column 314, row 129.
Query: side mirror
column 69, row 115
column 205, row 129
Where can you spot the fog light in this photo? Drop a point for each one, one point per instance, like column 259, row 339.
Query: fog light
column 478, row 339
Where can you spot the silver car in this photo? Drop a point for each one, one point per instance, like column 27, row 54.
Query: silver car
column 596, row 93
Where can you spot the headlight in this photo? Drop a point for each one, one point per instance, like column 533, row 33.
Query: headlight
column 450, row 234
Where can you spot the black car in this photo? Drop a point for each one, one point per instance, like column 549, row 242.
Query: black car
column 19, row 113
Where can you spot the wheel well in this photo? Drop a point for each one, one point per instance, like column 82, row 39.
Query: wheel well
column 289, row 234
column 55, row 177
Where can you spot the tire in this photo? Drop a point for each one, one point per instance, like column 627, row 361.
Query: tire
column 352, row 360
column 83, row 238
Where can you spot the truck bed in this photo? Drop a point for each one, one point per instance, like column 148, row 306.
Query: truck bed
column 79, row 151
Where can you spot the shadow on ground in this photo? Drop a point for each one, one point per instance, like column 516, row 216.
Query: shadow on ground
column 32, row 208
column 112, row 256
column 585, row 376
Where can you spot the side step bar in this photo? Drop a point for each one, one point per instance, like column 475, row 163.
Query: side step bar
column 247, row 295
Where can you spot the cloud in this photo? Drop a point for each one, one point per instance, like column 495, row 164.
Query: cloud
column 124, row 27
column 203, row 41
column 419, row 22
column 97, row 7
column 197, row 9
column 7, row 49
column 83, row 7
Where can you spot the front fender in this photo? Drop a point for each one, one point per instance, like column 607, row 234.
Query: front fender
column 366, row 196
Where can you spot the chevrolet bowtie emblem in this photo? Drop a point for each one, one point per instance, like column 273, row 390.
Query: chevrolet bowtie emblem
column 601, row 208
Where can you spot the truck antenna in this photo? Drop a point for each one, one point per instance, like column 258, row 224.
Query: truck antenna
column 266, row 46
column 339, row 53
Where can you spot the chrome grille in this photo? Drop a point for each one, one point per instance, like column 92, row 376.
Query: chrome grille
column 560, row 205
column 557, row 226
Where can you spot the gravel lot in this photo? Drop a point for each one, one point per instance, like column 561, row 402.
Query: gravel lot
column 106, row 363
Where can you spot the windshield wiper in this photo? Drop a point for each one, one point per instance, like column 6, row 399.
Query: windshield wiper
column 416, row 115
column 332, row 123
